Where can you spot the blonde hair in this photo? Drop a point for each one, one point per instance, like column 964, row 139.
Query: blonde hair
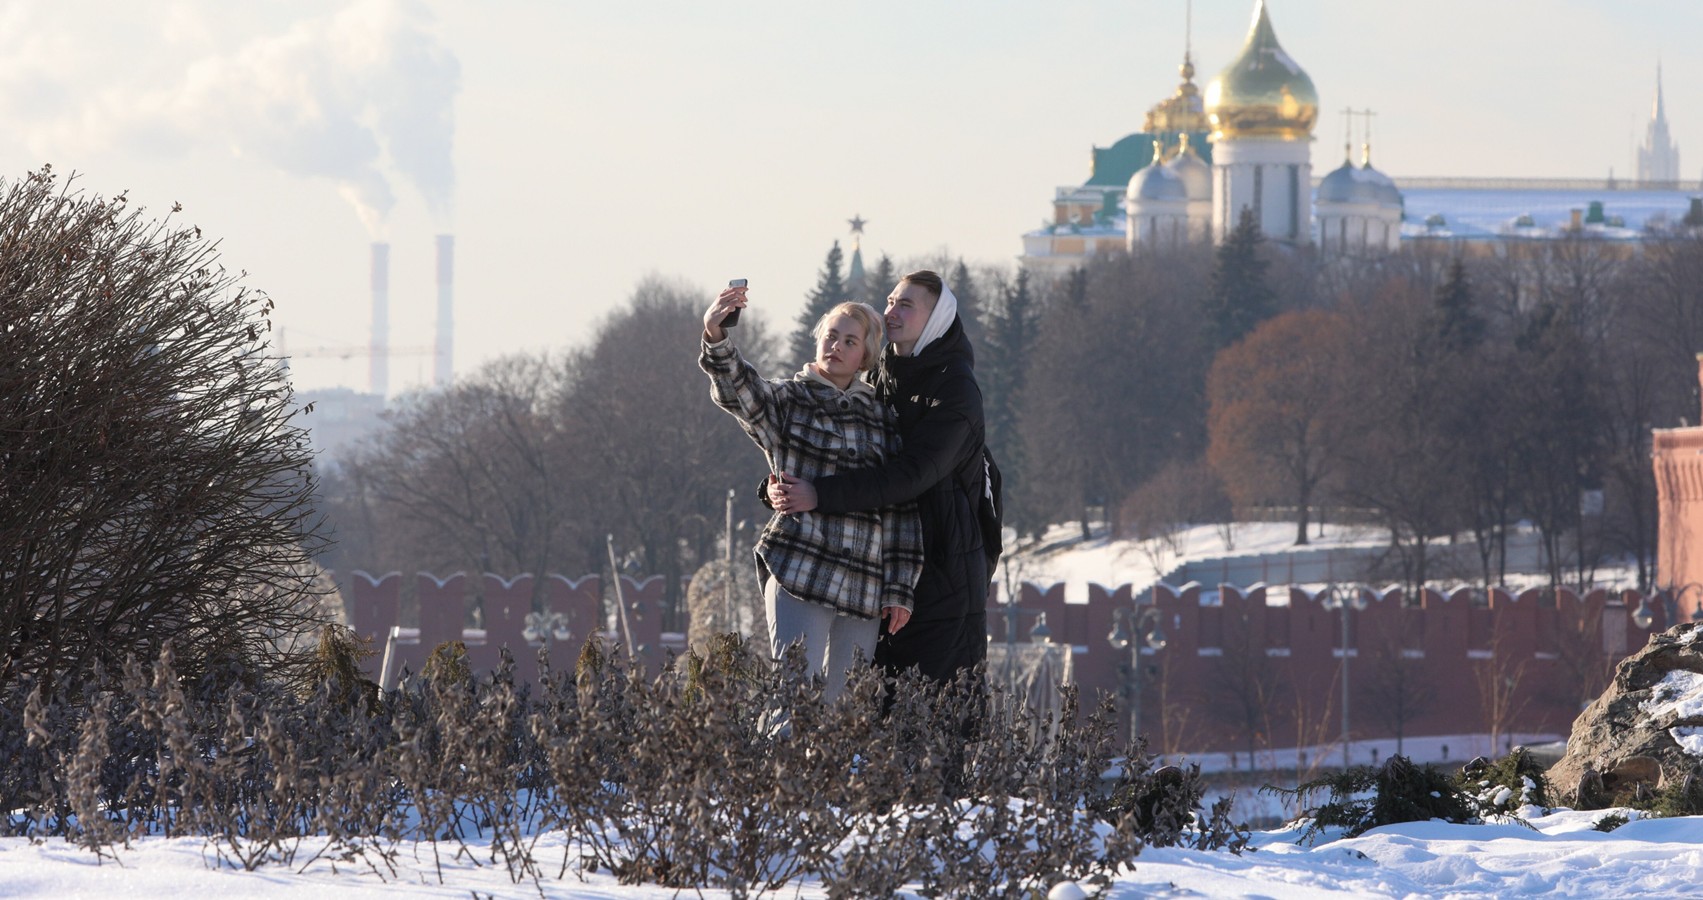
column 872, row 330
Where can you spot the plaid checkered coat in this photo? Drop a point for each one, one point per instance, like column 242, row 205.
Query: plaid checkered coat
column 854, row 562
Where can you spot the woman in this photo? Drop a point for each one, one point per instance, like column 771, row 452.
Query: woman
column 826, row 578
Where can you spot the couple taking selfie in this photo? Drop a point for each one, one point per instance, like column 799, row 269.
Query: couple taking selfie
column 876, row 475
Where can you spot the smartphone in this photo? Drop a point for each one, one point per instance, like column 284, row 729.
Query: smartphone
column 733, row 317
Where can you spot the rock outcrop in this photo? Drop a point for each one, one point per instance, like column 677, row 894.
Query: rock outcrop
column 1644, row 732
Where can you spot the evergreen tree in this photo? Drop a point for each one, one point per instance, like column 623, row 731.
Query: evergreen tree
column 881, row 281
column 1076, row 288
column 830, row 292
column 969, row 302
column 1459, row 328
column 1240, row 298
column 1001, row 363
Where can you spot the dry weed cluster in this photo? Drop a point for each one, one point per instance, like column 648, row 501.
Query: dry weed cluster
column 728, row 771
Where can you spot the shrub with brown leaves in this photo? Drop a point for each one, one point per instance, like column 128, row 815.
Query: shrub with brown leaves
column 731, row 772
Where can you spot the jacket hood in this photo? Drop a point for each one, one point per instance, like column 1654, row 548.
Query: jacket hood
column 858, row 388
column 951, row 346
column 941, row 318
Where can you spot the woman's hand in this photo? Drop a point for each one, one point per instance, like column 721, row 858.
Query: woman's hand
column 896, row 617
column 726, row 302
column 791, row 495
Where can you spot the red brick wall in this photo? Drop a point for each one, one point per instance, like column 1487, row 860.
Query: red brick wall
column 1542, row 651
column 1285, row 648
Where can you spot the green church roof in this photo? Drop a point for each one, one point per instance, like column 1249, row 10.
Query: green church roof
column 1114, row 165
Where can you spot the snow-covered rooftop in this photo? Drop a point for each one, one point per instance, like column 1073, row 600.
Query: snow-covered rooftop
column 1468, row 212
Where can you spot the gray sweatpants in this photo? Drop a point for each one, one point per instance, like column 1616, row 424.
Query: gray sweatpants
column 830, row 640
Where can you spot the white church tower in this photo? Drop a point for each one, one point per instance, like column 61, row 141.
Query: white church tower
column 1262, row 109
column 1658, row 159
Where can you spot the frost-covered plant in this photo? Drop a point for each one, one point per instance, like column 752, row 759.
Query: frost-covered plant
column 1610, row 822
column 1164, row 805
column 1362, row 798
column 1502, row 788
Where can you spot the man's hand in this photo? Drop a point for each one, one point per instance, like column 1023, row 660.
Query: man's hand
column 896, row 617
column 791, row 495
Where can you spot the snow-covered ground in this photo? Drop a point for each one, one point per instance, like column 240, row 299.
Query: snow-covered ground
column 1062, row 555
column 1559, row 855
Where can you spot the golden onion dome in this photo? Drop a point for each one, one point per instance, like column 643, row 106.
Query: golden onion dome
column 1264, row 93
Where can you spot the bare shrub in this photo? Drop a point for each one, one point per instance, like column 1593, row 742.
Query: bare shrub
column 733, row 774
column 1182, row 495
column 154, row 482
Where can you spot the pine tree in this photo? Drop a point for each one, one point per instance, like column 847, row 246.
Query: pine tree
column 881, row 281
column 1076, row 288
column 1240, row 298
column 830, row 292
column 1001, row 366
column 969, row 302
column 1459, row 328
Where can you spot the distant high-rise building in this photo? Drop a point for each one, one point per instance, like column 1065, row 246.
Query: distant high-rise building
column 1658, row 159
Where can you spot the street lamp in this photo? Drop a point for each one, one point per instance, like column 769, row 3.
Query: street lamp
column 1039, row 634
column 1133, row 629
column 1343, row 598
column 1673, row 602
column 727, row 594
column 1643, row 615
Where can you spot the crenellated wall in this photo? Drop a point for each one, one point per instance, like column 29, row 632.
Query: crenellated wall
column 1261, row 661
column 446, row 605
column 1466, row 662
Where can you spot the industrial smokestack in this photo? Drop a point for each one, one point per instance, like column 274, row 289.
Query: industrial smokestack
column 378, row 372
column 444, row 355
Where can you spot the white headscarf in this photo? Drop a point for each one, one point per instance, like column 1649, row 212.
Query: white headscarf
column 945, row 310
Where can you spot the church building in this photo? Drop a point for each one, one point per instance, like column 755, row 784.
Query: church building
column 1202, row 158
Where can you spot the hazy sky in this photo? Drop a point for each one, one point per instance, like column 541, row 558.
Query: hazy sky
column 575, row 147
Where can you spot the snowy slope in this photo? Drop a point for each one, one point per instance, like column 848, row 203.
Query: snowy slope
column 1257, row 552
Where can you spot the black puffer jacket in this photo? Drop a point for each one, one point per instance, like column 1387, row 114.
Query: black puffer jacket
column 941, row 432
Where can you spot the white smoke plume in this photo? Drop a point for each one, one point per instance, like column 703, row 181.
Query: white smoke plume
column 355, row 97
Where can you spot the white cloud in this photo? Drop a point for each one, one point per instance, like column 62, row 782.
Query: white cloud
column 354, row 97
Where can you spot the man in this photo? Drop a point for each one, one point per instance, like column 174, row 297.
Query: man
column 926, row 374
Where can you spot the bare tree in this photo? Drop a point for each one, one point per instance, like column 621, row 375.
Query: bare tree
column 1499, row 678
column 1245, row 691
column 469, row 478
column 662, row 454
column 154, row 476
column 1397, row 686
column 529, row 463
column 1398, row 459
column 1126, row 328
column 1158, row 513
column 1177, row 723
column 1585, row 666
column 1275, row 411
